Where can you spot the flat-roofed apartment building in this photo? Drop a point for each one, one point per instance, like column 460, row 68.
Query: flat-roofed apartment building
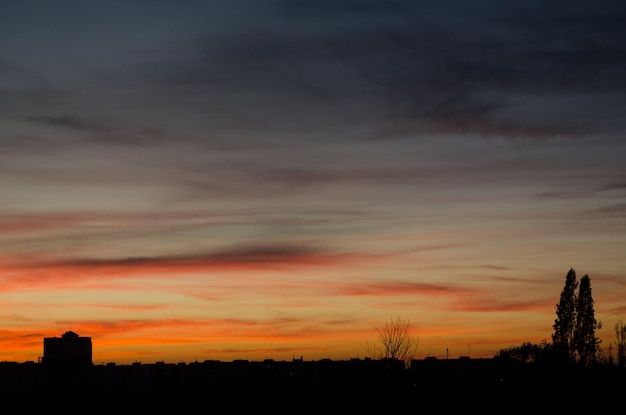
column 68, row 350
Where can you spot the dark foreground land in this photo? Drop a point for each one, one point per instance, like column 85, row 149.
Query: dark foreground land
column 354, row 386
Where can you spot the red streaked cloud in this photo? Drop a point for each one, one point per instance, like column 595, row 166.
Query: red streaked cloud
column 237, row 353
column 491, row 305
column 22, row 223
column 33, row 272
column 393, row 288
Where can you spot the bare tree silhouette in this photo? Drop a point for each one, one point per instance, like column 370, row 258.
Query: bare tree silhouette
column 396, row 341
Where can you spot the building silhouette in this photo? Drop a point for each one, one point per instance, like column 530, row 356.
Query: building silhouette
column 68, row 350
column 66, row 374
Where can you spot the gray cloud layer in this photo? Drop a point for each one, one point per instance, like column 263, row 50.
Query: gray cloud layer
column 350, row 68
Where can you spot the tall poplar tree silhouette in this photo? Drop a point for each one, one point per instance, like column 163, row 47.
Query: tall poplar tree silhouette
column 620, row 335
column 585, row 341
column 563, row 337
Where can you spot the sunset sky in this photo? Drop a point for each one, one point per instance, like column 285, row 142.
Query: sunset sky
column 263, row 179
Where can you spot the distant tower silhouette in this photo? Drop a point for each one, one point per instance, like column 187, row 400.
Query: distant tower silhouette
column 68, row 350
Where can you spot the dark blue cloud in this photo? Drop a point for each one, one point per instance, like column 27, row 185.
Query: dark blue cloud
column 360, row 68
column 486, row 68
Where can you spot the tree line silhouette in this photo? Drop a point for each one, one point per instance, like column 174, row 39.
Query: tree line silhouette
column 574, row 339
